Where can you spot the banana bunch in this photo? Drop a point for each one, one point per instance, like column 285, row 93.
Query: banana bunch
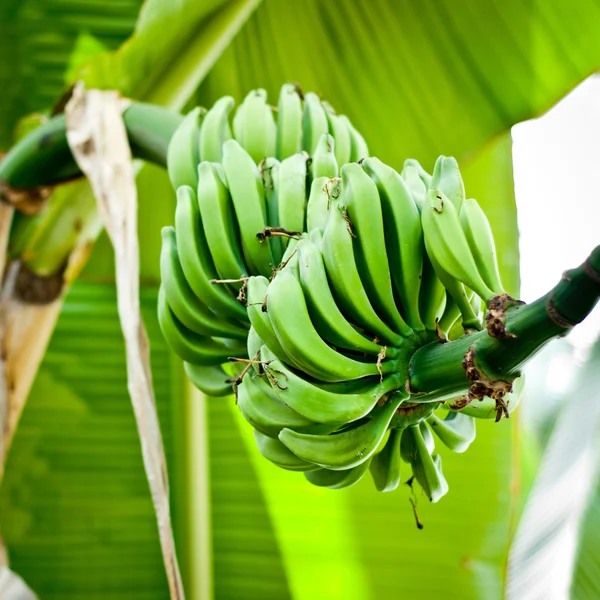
column 241, row 187
column 320, row 271
column 386, row 259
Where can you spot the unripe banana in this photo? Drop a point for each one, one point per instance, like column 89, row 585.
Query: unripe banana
column 248, row 195
column 447, row 244
column 385, row 465
column 277, row 453
column 317, row 208
column 314, row 122
column 337, row 480
column 292, row 192
column 481, row 241
column 256, row 130
column 447, row 178
column 456, row 431
column 358, row 146
column 289, row 122
column 324, row 163
column 423, row 174
column 182, row 153
column 211, row 381
column 215, row 130
column 416, row 186
column 341, row 134
column 269, row 171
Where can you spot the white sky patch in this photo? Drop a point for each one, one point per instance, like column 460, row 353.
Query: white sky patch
column 557, row 184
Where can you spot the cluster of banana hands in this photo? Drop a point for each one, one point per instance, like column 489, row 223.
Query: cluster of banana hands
column 304, row 274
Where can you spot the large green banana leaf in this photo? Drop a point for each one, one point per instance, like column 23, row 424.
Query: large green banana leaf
column 419, row 79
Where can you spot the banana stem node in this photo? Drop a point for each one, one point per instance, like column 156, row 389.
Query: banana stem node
column 495, row 319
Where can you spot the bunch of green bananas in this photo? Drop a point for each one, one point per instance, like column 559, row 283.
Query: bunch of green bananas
column 374, row 265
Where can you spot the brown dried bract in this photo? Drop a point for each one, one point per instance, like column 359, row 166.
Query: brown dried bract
column 380, row 359
column 460, row 403
column 32, row 288
column 495, row 320
column 348, row 221
column 27, row 201
column 269, row 232
column 482, row 385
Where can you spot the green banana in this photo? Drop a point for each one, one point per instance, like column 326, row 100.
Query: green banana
column 432, row 297
column 263, row 410
column 314, row 122
column 211, row 380
column 269, row 171
column 186, row 306
column 342, row 272
column 385, row 465
column 319, row 404
column 403, row 236
column 450, row 316
column 341, row 134
column 414, row 183
column 253, row 344
column 447, row 244
column 423, row 174
column 337, row 480
column 289, row 122
column 248, row 195
column 340, row 451
column 327, row 318
column 426, row 468
column 257, row 126
column 256, row 293
column 182, row 153
column 289, row 316
column 317, row 208
column 196, row 259
column 218, row 223
column 456, row 431
column 447, row 178
column 361, row 200
column 292, row 192
column 324, row 163
column 215, row 130
column 481, row 241
column 358, row 146
column 189, row 346
column 277, row 453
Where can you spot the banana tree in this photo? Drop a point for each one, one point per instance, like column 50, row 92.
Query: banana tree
column 413, row 69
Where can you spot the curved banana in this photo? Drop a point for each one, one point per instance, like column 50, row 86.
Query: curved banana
column 218, row 223
column 341, row 134
column 450, row 316
column 337, row 480
column 276, row 452
column 456, row 431
column 447, row 178
column 211, row 380
column 196, row 260
column 289, row 122
column 432, row 297
column 189, row 346
column 345, row 281
column 254, row 344
column 257, row 126
column 403, row 236
column 358, row 146
column 269, row 171
column 248, row 195
column 292, row 192
column 447, row 244
column 186, row 306
column 423, row 174
column 324, row 163
column 215, row 130
column 319, row 404
column 361, row 200
column 426, row 468
column 182, row 153
column 314, row 122
column 317, row 208
column 385, row 465
column 414, row 183
column 256, row 293
column 290, row 319
column 344, row 450
column 327, row 318
column 481, row 241
column 263, row 410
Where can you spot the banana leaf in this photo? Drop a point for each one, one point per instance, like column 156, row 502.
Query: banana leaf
column 419, row 79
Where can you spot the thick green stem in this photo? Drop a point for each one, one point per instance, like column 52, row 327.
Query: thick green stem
column 469, row 364
column 43, row 158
